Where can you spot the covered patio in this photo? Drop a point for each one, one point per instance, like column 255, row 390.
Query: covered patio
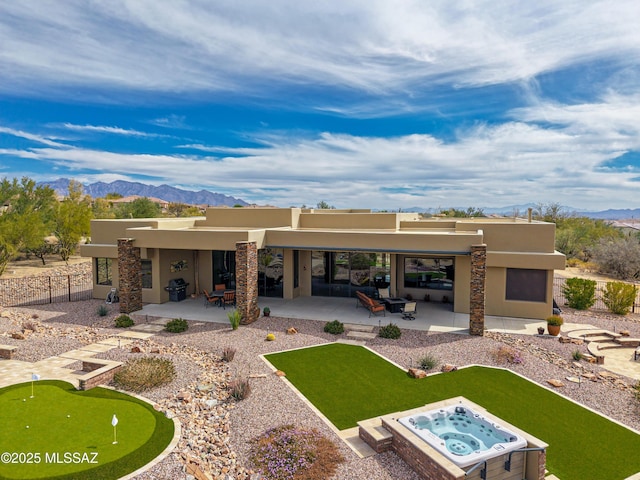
column 431, row 316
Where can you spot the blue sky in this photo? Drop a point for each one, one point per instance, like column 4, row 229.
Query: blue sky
column 360, row 103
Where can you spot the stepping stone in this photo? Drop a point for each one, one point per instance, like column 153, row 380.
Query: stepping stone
column 96, row 348
column 147, row 327
column 574, row 379
column 364, row 335
column 159, row 321
column 135, row 335
column 555, row 383
column 346, row 341
column 358, row 328
column 116, row 342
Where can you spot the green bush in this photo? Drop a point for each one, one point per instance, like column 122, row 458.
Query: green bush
column 228, row 353
column 140, row 374
column 556, row 320
column 428, row 361
column 577, row 355
column 336, row 327
column 176, row 325
column 234, row 317
column 102, row 311
column 390, row 331
column 124, row 321
column 619, row 297
column 580, row 293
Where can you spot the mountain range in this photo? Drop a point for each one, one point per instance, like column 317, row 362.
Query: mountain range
column 205, row 197
column 163, row 192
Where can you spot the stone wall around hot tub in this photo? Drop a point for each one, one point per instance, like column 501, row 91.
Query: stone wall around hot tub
column 431, row 464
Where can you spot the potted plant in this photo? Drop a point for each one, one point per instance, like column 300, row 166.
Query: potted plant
column 266, row 311
column 540, row 330
column 554, row 322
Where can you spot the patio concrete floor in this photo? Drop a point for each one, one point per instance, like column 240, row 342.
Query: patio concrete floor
column 431, row 316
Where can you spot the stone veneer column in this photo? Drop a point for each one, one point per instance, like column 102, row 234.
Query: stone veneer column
column 247, row 281
column 478, row 276
column 129, row 270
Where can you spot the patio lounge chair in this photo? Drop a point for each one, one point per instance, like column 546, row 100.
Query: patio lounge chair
column 409, row 311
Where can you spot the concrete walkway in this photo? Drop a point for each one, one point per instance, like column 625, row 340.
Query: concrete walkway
column 66, row 366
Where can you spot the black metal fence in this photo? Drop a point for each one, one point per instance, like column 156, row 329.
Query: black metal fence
column 15, row 292
column 558, row 295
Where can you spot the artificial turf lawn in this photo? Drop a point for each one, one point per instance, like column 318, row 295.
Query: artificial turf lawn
column 142, row 432
column 350, row 383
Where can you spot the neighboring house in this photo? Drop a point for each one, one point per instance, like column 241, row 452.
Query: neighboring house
column 494, row 266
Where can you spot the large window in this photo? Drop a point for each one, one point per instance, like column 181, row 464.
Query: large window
column 433, row 273
column 296, row 267
column 103, row 271
column 147, row 277
column 526, row 284
column 224, row 268
column 341, row 274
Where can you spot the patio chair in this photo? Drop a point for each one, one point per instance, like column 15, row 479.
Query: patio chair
column 409, row 311
column 229, row 298
column 384, row 293
column 209, row 300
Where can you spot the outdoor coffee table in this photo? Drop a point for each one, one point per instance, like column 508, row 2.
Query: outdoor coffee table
column 394, row 305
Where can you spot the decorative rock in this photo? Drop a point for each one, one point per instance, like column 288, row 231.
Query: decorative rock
column 184, row 396
column 17, row 335
column 280, row 373
column 292, row 331
column 577, row 341
column 136, row 349
column 625, row 333
column 562, row 339
column 449, row 368
column 211, row 403
column 154, row 350
column 205, row 387
column 555, row 383
column 417, row 373
column 590, row 376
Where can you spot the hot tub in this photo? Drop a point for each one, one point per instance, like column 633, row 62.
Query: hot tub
column 462, row 435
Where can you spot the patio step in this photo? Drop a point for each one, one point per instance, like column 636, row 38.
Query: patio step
column 358, row 328
column 361, row 335
column 609, row 344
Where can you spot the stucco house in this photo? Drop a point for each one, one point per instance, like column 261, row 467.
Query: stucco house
column 493, row 266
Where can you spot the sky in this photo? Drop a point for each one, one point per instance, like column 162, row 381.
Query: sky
column 358, row 103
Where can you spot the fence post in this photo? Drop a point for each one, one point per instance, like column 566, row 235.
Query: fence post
column 50, row 294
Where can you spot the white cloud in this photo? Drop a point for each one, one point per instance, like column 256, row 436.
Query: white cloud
column 375, row 46
column 110, row 130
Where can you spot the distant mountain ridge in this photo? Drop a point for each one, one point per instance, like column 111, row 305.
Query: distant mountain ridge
column 164, row 192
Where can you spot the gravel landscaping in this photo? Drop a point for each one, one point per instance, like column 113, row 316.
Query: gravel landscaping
column 217, row 429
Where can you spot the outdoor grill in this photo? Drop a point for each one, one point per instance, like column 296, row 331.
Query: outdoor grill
column 177, row 289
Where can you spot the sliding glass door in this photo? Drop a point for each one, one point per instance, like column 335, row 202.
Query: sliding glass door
column 341, row 274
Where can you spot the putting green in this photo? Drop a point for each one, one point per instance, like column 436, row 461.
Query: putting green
column 64, row 433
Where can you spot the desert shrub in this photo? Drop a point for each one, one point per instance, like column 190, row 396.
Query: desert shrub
column 140, row 374
column 390, row 331
column 506, row 354
column 123, row 321
column 234, row 317
column 29, row 325
column 270, row 337
column 428, row 361
column 619, row 297
column 239, row 388
column 580, row 293
column 336, row 327
column 102, row 311
column 619, row 257
column 577, row 355
column 228, row 353
column 177, row 325
column 287, row 452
